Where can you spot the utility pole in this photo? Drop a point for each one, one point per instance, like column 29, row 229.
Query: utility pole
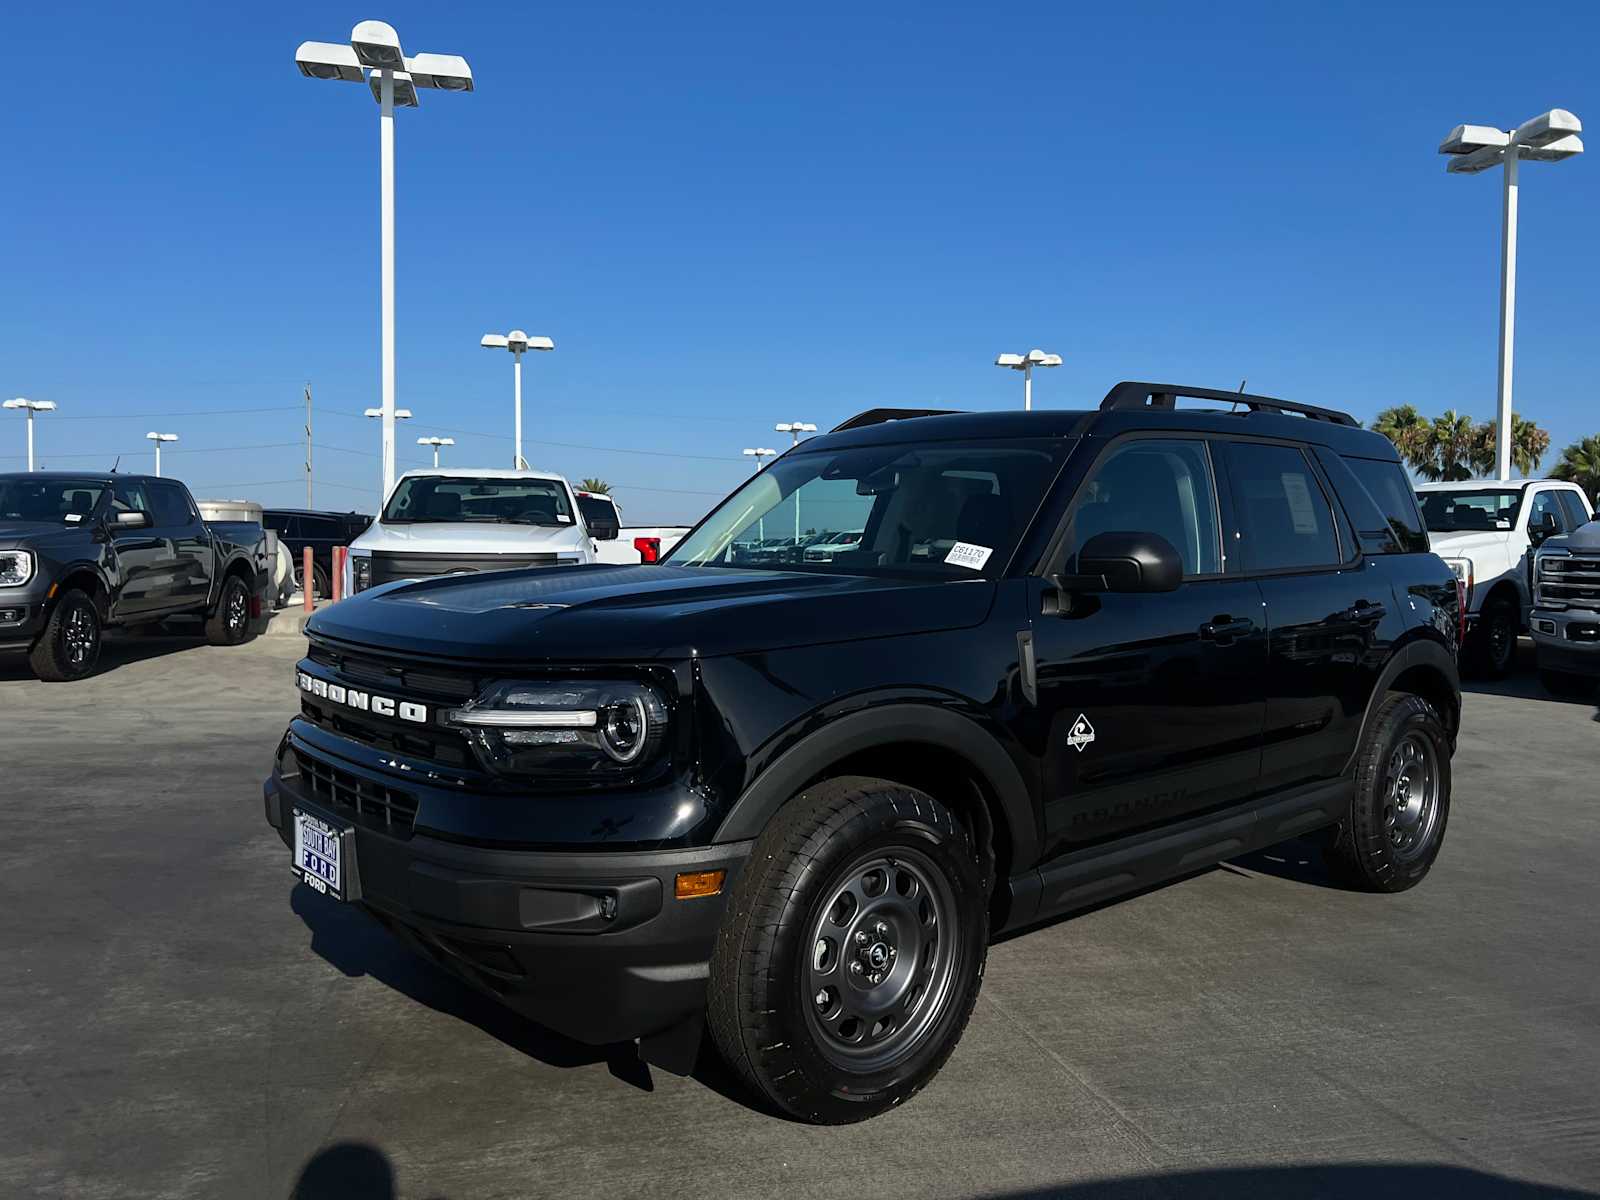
column 308, row 447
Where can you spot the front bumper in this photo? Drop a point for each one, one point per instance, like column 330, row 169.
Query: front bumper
column 594, row 945
column 1567, row 640
column 22, row 614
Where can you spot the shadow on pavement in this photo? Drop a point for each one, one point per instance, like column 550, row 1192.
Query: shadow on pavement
column 1523, row 683
column 361, row 1171
column 120, row 649
column 1299, row 859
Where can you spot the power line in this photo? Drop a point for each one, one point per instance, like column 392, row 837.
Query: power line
column 193, row 412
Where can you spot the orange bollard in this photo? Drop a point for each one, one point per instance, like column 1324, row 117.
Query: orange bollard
column 308, row 577
column 340, row 555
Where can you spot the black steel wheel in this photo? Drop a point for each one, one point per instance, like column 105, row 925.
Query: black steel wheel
column 69, row 647
column 230, row 623
column 851, row 952
column 1492, row 644
column 1396, row 823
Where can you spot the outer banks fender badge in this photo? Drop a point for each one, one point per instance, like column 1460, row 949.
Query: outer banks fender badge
column 1081, row 733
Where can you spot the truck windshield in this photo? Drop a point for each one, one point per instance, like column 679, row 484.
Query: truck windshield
column 1471, row 509
column 442, row 498
column 941, row 508
column 24, row 498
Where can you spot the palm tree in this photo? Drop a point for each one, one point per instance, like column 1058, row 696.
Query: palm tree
column 1407, row 429
column 1580, row 464
column 1529, row 445
column 1447, row 447
column 596, row 485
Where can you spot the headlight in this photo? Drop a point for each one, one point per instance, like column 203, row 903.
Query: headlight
column 573, row 726
column 16, row 567
column 360, row 572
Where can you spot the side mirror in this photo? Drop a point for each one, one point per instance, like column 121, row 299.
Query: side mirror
column 1126, row 562
column 137, row 519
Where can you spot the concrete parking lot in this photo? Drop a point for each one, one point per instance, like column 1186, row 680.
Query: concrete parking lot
column 178, row 1018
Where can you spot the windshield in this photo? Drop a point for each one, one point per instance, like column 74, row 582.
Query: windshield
column 435, row 498
column 1471, row 509
column 941, row 508
column 65, row 500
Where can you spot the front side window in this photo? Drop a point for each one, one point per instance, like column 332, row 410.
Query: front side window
column 1471, row 509
column 1153, row 486
column 129, row 497
column 1546, row 505
column 945, row 509
column 1284, row 518
column 69, row 501
column 439, row 499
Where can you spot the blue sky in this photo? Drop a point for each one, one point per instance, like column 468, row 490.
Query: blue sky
column 733, row 216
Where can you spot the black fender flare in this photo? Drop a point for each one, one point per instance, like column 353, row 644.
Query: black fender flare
column 84, row 566
column 866, row 729
column 1419, row 652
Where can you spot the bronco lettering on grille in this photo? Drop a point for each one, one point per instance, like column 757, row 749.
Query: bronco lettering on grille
column 382, row 706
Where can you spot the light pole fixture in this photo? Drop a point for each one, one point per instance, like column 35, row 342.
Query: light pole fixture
column 30, row 407
column 518, row 343
column 1026, row 363
column 1549, row 137
column 374, row 50
column 436, row 442
column 158, row 438
column 794, row 429
column 759, row 454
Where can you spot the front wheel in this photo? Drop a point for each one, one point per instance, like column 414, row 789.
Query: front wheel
column 1392, row 833
column 230, row 624
column 1492, row 644
column 852, row 951
column 69, row 647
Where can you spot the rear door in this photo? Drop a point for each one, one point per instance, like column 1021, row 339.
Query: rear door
column 1331, row 620
column 1152, row 704
column 188, row 577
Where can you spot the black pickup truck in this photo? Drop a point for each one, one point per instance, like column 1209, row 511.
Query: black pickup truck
column 1071, row 655
column 82, row 552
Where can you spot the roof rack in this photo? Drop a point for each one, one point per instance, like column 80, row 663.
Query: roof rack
column 877, row 416
column 1165, row 396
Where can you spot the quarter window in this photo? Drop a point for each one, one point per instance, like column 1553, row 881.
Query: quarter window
column 1386, row 483
column 1284, row 518
column 1154, row 486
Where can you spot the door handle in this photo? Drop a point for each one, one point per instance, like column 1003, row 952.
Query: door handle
column 1364, row 613
column 1226, row 628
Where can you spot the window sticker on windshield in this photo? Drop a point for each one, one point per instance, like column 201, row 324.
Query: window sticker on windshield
column 965, row 554
column 563, row 518
column 1300, row 508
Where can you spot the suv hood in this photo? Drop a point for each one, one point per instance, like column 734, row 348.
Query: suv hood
column 601, row 613
column 469, row 537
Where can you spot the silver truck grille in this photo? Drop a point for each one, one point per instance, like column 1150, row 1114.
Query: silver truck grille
column 1568, row 581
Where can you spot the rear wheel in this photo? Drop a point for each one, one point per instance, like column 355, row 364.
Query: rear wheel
column 1492, row 644
column 319, row 582
column 69, row 647
column 230, row 624
column 1396, row 823
column 852, row 951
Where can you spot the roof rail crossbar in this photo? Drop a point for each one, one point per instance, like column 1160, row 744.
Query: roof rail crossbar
column 1165, row 395
column 877, row 416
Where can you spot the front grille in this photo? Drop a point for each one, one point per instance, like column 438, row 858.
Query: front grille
column 447, row 747
column 437, row 688
column 397, row 674
column 1568, row 581
column 394, row 809
column 389, row 565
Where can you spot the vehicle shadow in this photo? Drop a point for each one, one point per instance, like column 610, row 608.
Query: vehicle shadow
column 361, row 1171
column 1523, row 682
column 355, row 944
column 120, row 649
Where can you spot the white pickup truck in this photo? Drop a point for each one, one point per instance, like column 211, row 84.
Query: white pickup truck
column 624, row 544
column 1486, row 530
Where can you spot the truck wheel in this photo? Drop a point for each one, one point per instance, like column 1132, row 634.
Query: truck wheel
column 1397, row 817
column 69, row 647
column 851, row 952
column 230, row 624
column 1566, row 684
column 1492, row 646
column 319, row 582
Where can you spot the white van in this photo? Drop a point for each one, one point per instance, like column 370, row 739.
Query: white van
column 475, row 519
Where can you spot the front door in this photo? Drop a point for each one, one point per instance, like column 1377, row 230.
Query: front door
column 1152, row 704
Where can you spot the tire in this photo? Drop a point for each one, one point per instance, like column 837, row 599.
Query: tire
column 1382, row 846
column 789, row 976
column 1565, row 684
column 69, row 647
column 319, row 582
column 1492, row 645
column 229, row 625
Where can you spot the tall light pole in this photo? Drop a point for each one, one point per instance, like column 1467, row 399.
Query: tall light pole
column 374, row 48
column 393, row 415
column 31, row 407
column 518, row 343
column 158, row 438
column 436, row 442
column 1549, row 137
column 761, row 453
column 794, row 429
column 1026, row 363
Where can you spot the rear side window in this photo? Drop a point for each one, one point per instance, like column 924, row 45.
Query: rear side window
column 1572, row 505
column 1386, row 483
column 1284, row 518
column 169, row 506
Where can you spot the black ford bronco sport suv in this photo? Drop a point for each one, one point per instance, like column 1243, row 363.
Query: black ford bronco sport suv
column 1072, row 654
